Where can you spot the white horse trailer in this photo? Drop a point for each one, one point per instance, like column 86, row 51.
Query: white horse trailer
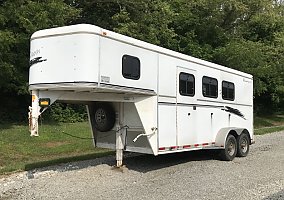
column 141, row 97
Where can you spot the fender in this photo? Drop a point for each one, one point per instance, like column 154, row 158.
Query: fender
column 223, row 133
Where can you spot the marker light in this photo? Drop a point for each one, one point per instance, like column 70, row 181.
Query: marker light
column 44, row 102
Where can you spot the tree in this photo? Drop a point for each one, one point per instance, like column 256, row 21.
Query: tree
column 18, row 20
column 257, row 59
column 245, row 35
column 143, row 19
column 147, row 20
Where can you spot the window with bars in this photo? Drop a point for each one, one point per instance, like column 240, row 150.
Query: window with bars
column 209, row 87
column 186, row 84
column 228, row 91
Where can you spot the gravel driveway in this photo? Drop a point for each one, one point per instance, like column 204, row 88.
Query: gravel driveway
column 191, row 175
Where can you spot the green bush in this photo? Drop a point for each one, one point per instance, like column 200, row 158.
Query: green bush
column 14, row 109
column 62, row 112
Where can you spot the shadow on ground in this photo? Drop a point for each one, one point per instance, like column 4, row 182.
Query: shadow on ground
column 145, row 163
column 277, row 196
column 59, row 162
column 133, row 161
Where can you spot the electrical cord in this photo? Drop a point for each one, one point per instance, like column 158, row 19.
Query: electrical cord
column 78, row 137
column 125, row 126
column 92, row 138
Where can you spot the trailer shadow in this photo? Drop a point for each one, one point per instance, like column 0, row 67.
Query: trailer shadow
column 278, row 195
column 133, row 161
column 146, row 163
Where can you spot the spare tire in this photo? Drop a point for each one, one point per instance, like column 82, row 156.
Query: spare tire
column 104, row 117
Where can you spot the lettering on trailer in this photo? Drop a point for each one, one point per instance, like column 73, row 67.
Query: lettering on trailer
column 34, row 53
column 105, row 79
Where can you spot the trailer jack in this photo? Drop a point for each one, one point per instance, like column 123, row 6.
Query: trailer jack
column 119, row 146
column 34, row 113
column 33, row 123
column 120, row 136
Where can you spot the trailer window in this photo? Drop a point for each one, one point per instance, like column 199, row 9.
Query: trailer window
column 130, row 67
column 209, row 87
column 186, row 84
column 228, row 91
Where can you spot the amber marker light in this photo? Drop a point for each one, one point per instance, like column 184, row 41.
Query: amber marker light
column 44, row 102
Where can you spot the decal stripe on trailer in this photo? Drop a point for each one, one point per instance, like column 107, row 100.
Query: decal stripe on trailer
column 172, row 148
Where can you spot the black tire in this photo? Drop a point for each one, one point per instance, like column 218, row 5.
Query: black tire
column 104, row 117
column 230, row 151
column 243, row 145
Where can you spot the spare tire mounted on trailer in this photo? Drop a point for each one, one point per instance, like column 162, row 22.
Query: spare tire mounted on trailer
column 104, row 116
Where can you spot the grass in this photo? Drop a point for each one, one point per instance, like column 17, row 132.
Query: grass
column 21, row 152
column 268, row 124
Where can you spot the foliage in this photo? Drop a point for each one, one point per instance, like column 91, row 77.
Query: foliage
column 245, row 35
column 258, row 59
column 18, row 20
column 59, row 112
column 146, row 20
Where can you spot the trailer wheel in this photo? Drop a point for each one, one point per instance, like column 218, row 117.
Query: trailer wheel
column 230, row 150
column 104, row 117
column 243, row 145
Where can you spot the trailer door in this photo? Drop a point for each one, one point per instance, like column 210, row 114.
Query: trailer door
column 186, row 106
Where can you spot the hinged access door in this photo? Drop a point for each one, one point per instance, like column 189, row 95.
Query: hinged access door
column 186, row 106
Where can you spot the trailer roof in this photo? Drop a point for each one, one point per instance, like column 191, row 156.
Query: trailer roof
column 92, row 29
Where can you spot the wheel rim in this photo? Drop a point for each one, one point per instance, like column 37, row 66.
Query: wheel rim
column 100, row 116
column 231, row 148
column 244, row 145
